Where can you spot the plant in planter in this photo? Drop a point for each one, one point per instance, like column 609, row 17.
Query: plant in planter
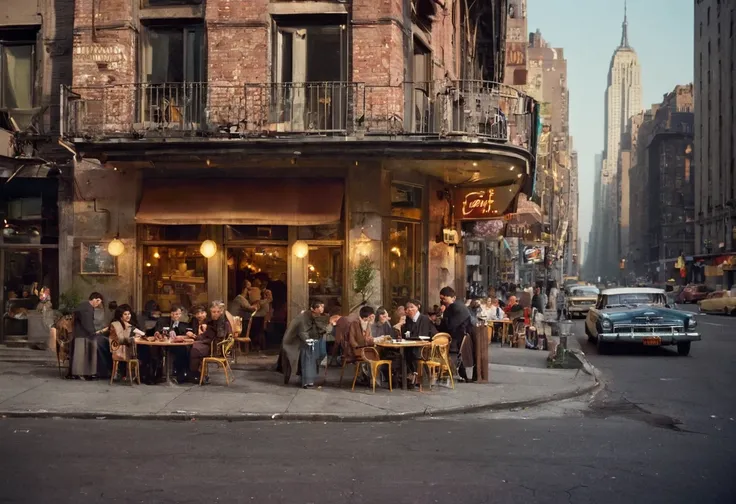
column 68, row 301
column 363, row 275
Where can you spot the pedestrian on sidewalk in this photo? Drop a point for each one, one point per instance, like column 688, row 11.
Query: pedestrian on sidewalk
column 560, row 304
column 84, row 360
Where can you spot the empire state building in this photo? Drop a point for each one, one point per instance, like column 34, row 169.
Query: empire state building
column 623, row 99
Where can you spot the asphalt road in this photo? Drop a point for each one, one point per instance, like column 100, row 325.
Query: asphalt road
column 661, row 432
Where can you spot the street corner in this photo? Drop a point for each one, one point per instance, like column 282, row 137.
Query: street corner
column 38, row 391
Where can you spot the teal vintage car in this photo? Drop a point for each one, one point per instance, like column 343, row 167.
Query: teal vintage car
column 639, row 315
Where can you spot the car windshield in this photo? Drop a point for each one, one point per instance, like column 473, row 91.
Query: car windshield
column 636, row 299
column 584, row 291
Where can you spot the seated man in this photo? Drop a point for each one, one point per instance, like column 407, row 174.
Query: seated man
column 416, row 324
column 216, row 329
column 359, row 333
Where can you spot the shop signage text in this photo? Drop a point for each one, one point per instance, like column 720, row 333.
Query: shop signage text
column 482, row 203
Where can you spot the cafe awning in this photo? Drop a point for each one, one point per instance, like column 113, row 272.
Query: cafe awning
column 285, row 202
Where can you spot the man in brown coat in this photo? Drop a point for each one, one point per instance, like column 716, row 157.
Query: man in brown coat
column 215, row 330
column 359, row 333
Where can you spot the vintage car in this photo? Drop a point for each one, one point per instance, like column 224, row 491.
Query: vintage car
column 719, row 302
column 639, row 315
column 580, row 298
column 693, row 293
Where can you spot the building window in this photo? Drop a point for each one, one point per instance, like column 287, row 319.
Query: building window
column 173, row 69
column 173, row 269
column 310, row 91
column 405, row 262
column 17, row 70
column 325, row 275
column 173, row 274
column 422, row 76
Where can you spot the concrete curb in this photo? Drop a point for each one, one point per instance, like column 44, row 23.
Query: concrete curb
column 304, row 417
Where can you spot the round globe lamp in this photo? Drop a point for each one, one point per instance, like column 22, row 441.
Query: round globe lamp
column 208, row 248
column 115, row 247
column 300, row 249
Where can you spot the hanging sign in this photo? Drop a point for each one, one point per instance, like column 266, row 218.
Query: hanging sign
column 483, row 203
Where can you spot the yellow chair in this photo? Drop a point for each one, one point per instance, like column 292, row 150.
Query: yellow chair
column 369, row 355
column 438, row 360
column 242, row 340
column 224, row 347
column 134, row 368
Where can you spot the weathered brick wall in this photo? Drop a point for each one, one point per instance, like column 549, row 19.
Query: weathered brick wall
column 238, row 37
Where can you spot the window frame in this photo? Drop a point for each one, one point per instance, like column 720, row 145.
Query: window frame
column 34, row 68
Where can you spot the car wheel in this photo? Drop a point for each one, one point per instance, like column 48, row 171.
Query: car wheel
column 603, row 347
column 683, row 348
column 726, row 311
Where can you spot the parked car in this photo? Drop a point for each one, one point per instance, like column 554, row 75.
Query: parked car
column 719, row 302
column 639, row 315
column 580, row 298
column 693, row 293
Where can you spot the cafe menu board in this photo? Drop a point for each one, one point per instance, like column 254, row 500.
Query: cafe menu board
column 483, row 203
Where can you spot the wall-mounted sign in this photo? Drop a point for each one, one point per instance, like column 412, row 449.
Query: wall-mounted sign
column 483, row 203
column 515, row 54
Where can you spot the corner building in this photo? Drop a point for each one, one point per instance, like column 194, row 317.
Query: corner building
column 299, row 137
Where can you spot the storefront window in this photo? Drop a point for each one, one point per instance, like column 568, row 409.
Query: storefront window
column 406, row 201
column 241, row 232
column 265, row 264
column 173, row 275
column 404, row 262
column 325, row 275
column 173, row 233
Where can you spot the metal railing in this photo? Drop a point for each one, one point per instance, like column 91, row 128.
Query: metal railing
column 485, row 111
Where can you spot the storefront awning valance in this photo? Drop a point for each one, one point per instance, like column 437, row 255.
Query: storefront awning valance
column 241, row 201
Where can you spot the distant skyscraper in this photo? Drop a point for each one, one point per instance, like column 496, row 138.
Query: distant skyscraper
column 623, row 99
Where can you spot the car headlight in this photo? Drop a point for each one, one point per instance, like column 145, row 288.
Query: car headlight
column 606, row 324
column 692, row 323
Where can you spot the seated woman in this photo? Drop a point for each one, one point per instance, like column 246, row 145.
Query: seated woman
column 382, row 325
column 122, row 332
column 216, row 329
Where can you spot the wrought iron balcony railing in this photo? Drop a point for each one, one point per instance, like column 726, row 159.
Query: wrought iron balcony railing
column 484, row 111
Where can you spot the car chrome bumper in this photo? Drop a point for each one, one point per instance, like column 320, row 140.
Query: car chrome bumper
column 579, row 309
column 667, row 338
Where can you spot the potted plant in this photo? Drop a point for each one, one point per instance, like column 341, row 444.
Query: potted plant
column 363, row 275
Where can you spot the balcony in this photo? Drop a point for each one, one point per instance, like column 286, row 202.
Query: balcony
column 474, row 111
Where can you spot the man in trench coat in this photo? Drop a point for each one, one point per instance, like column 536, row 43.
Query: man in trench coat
column 302, row 328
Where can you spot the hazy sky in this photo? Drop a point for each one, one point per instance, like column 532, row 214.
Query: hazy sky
column 661, row 33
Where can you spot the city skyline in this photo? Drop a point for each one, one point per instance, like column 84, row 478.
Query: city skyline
column 665, row 57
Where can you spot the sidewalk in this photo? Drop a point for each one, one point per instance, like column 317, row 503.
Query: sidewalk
column 35, row 389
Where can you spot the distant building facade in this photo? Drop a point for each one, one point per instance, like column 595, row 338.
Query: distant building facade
column 715, row 135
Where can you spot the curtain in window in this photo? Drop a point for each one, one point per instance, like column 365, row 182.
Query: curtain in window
column 18, row 76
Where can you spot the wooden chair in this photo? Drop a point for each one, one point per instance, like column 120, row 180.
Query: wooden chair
column 62, row 333
column 438, row 360
column 223, row 348
column 134, row 368
column 370, row 356
column 242, row 340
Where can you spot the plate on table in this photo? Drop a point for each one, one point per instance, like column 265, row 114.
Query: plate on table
column 424, row 338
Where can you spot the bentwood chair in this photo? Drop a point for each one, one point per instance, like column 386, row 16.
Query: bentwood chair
column 438, row 360
column 370, row 357
column 219, row 355
column 134, row 368
column 241, row 339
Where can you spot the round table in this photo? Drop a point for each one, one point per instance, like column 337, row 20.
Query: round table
column 167, row 345
column 401, row 345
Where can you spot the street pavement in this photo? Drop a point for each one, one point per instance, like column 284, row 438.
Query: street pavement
column 662, row 431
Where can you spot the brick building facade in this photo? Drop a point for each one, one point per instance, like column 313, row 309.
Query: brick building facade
column 299, row 137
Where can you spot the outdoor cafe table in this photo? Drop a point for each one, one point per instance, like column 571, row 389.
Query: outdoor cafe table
column 167, row 345
column 504, row 329
column 401, row 345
